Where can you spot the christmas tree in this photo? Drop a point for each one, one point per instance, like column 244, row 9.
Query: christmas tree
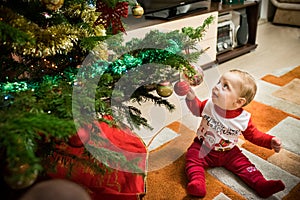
column 61, row 65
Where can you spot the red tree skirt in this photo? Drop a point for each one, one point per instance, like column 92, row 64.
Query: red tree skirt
column 113, row 184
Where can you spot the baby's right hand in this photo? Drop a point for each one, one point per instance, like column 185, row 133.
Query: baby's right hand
column 181, row 88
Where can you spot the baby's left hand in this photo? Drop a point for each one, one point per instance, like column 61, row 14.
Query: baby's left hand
column 276, row 144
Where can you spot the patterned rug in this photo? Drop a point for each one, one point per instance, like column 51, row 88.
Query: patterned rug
column 275, row 110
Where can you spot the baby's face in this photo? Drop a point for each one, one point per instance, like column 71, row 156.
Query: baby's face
column 227, row 91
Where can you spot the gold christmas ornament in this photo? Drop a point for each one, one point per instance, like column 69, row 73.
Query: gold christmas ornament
column 164, row 89
column 19, row 177
column 53, row 4
column 137, row 11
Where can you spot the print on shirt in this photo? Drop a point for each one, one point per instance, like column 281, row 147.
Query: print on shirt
column 215, row 135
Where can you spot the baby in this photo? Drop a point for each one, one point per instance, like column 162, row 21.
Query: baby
column 223, row 120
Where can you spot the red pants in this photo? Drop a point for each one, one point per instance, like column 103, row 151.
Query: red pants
column 233, row 160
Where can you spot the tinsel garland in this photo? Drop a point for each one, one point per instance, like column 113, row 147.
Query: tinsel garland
column 50, row 40
column 118, row 67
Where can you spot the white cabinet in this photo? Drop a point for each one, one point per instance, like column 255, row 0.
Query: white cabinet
column 208, row 41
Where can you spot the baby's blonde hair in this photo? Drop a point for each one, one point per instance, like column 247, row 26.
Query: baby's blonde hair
column 248, row 86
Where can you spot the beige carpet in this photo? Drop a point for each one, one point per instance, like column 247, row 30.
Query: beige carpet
column 170, row 181
column 290, row 91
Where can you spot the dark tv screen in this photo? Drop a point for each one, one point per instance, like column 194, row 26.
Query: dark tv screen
column 168, row 9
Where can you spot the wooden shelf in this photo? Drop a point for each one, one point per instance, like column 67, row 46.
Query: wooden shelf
column 235, row 52
column 252, row 11
column 215, row 6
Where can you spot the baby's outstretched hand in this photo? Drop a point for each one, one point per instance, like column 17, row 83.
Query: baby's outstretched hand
column 276, row 144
